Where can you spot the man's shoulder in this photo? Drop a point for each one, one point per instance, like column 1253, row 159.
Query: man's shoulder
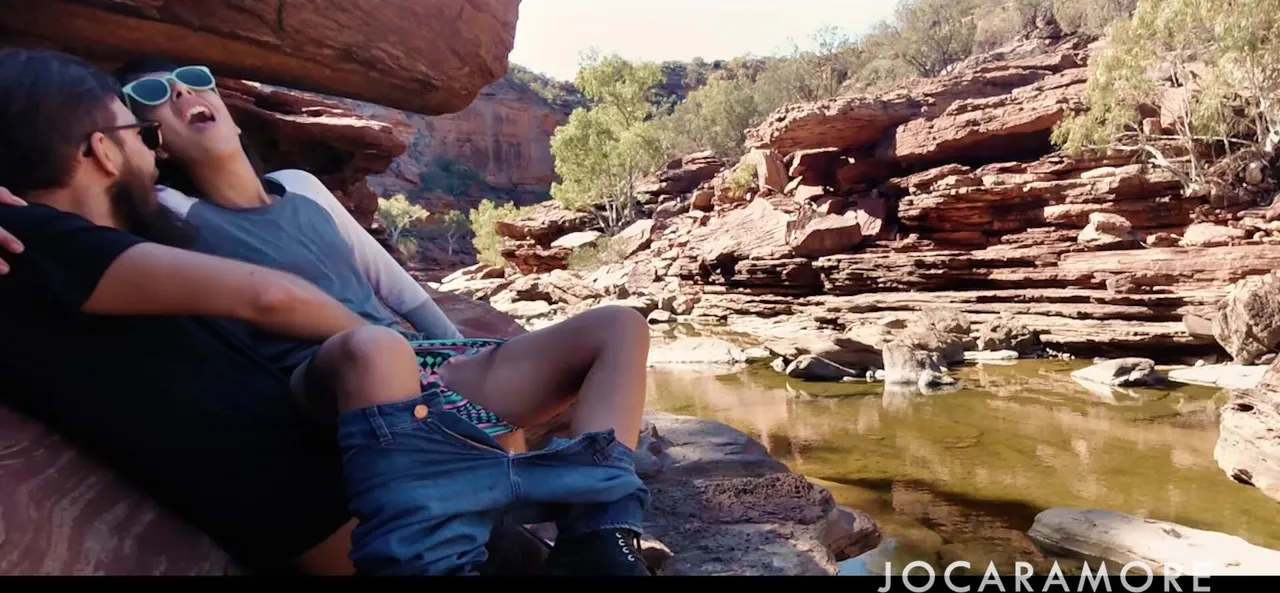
column 14, row 218
column 34, row 221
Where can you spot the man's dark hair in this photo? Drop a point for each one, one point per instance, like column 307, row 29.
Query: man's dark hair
column 50, row 103
column 171, row 173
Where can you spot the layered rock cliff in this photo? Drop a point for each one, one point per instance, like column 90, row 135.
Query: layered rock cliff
column 859, row 210
column 504, row 136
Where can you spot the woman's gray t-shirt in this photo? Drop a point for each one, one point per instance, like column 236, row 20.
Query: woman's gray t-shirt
column 295, row 233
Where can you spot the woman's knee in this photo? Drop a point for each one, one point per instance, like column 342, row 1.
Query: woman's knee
column 370, row 345
column 618, row 324
column 367, row 366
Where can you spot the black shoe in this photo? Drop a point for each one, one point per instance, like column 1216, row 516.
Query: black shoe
column 607, row 552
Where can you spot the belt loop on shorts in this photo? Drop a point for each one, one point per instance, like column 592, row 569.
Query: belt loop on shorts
column 379, row 427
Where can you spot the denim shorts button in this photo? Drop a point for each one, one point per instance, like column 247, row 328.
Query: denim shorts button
column 420, row 412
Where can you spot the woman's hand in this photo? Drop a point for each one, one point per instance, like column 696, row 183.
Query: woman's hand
column 7, row 241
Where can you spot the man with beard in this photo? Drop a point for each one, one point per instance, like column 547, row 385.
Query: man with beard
column 129, row 347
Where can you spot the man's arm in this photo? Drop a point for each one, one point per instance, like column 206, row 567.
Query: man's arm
column 153, row 279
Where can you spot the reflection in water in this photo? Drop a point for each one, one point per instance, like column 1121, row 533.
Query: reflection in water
column 960, row 475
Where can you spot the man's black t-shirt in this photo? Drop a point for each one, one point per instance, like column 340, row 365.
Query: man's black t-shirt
column 181, row 405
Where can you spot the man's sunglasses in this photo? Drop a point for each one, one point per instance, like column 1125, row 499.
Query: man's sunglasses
column 155, row 90
column 149, row 131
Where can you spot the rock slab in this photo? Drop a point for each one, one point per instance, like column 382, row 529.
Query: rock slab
column 1248, row 448
column 426, row 57
column 724, row 507
column 1119, row 538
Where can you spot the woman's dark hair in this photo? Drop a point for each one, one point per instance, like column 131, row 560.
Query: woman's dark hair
column 171, row 172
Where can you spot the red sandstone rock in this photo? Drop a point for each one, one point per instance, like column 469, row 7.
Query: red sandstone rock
column 1000, row 126
column 771, row 173
column 843, row 123
column 826, row 235
column 426, row 57
column 1011, row 197
column 682, row 175
column 544, row 224
column 504, row 135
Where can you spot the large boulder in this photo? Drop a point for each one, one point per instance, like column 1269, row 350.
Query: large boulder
column 1247, row 324
column 426, row 57
column 1248, row 448
column 1122, row 372
column 63, row 513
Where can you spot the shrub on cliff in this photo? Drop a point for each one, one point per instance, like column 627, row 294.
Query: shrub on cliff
column 560, row 94
column 1091, row 16
column 1222, row 60
column 932, row 34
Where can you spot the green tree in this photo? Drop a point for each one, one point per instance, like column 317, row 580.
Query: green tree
column 1001, row 21
column 485, row 238
column 602, row 153
column 714, row 117
column 454, row 226
column 933, row 34
column 398, row 214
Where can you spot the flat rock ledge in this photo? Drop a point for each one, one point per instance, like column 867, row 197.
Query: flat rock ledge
column 1225, row 376
column 723, row 506
column 1118, row 539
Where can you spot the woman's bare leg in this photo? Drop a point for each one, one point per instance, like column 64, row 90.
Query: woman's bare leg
column 598, row 356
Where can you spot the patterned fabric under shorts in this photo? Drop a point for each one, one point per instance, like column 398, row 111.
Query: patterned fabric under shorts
column 434, row 353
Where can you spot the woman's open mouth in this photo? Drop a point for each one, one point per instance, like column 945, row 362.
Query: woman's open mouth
column 199, row 114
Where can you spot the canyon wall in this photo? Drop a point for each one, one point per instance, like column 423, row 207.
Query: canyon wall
column 505, row 136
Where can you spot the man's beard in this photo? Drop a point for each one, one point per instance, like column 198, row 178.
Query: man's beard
column 133, row 197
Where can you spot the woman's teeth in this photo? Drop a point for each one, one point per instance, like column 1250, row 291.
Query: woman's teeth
column 199, row 114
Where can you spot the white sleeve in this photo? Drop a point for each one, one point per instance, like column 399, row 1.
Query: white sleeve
column 176, row 201
column 393, row 285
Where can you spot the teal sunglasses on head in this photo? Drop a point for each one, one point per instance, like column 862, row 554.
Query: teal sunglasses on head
column 155, row 90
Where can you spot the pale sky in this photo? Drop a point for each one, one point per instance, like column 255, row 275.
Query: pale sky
column 552, row 33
